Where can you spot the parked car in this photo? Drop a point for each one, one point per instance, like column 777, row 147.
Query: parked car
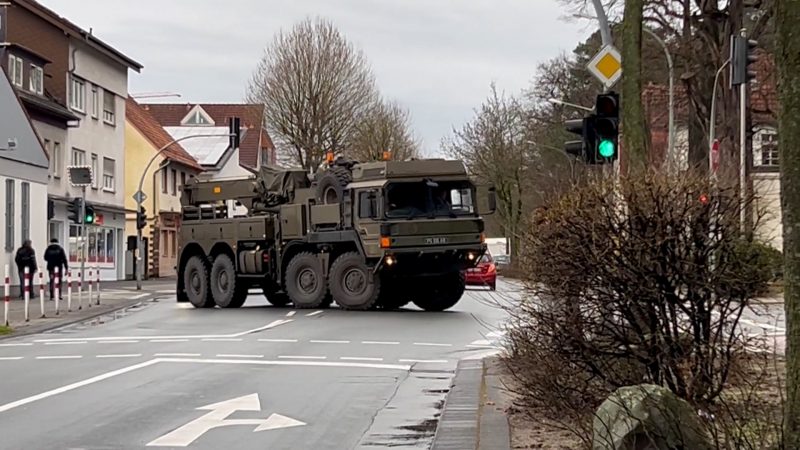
column 485, row 274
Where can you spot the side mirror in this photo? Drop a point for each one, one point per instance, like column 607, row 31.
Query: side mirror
column 492, row 199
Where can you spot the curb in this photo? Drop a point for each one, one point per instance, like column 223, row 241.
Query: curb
column 72, row 321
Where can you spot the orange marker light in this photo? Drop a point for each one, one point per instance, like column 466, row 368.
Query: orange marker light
column 217, row 189
column 387, row 155
column 385, row 242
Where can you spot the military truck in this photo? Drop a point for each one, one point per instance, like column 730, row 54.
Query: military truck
column 365, row 235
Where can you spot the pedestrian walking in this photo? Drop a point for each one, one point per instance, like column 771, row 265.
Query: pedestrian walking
column 25, row 257
column 56, row 258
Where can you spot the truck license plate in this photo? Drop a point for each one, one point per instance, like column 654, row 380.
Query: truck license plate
column 436, row 241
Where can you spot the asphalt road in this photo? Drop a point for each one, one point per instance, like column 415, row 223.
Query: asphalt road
column 260, row 377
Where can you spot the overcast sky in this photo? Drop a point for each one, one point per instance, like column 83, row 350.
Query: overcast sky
column 436, row 57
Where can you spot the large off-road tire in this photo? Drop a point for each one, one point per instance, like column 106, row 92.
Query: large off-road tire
column 353, row 285
column 195, row 282
column 330, row 187
column 223, row 283
column 441, row 293
column 274, row 297
column 305, row 281
column 393, row 295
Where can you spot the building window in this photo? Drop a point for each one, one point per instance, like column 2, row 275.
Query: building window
column 95, row 174
column 36, row 80
column 78, row 157
column 769, row 149
column 56, row 159
column 54, row 231
column 25, row 220
column 183, row 180
column 95, row 103
column 15, row 70
column 77, row 94
column 100, row 246
column 10, row 219
column 164, row 180
column 109, row 183
column 109, row 108
column 174, row 182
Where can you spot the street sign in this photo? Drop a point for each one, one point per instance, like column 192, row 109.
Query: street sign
column 217, row 417
column 80, row 175
column 139, row 197
column 606, row 65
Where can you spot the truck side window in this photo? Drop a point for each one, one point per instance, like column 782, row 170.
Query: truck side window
column 365, row 205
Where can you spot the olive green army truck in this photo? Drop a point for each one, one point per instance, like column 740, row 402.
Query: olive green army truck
column 365, row 235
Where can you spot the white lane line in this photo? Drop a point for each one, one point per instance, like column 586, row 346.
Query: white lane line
column 60, row 357
column 128, row 355
column 314, row 313
column 300, row 357
column 222, row 340
column 178, row 355
column 118, row 342
column 437, row 361
column 66, row 343
column 262, row 362
column 201, row 336
column 10, row 358
column 138, row 296
column 432, row 344
column 314, row 341
column 69, row 387
column 380, row 343
column 291, row 313
column 765, row 326
column 358, row 358
column 277, row 340
column 163, row 341
column 21, row 344
column 482, row 346
column 165, row 291
column 224, row 355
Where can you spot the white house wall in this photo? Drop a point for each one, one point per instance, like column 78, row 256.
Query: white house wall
column 38, row 223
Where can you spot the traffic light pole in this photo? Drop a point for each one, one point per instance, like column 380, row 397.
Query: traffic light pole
column 83, row 232
column 743, row 150
column 139, row 243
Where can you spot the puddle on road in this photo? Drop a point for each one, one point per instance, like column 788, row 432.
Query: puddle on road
column 103, row 319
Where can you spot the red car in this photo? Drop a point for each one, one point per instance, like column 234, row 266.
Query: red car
column 485, row 274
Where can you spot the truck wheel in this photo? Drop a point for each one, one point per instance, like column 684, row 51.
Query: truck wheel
column 330, row 187
column 195, row 282
column 442, row 292
column 393, row 295
column 223, row 283
column 274, row 297
column 305, row 282
column 353, row 284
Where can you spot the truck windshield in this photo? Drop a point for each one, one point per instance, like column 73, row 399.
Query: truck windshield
column 426, row 199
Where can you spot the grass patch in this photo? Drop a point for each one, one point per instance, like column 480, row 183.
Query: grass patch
column 5, row 330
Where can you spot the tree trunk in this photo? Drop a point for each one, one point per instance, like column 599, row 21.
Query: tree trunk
column 788, row 63
column 634, row 133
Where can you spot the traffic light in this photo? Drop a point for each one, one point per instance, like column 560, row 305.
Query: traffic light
column 234, row 132
column 580, row 127
column 141, row 219
column 88, row 214
column 605, row 125
column 742, row 56
column 74, row 209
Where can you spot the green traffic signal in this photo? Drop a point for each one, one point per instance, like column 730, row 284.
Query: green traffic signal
column 606, row 148
column 88, row 217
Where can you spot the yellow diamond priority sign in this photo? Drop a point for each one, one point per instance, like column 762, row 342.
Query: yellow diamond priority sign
column 606, row 65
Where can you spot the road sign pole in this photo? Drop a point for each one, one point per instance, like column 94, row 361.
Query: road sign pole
column 138, row 259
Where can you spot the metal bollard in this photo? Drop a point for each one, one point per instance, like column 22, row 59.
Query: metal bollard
column 7, row 293
column 90, row 287
column 97, row 271
column 57, row 288
column 80, row 290
column 26, row 283
column 41, row 292
column 69, row 291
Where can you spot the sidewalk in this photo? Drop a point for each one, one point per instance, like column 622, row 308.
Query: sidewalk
column 114, row 295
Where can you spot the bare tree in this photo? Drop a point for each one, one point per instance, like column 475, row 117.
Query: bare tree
column 314, row 85
column 385, row 128
column 493, row 146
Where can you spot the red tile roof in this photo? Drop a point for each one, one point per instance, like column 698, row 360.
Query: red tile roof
column 252, row 122
column 155, row 133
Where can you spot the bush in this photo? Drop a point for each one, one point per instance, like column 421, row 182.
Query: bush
column 642, row 282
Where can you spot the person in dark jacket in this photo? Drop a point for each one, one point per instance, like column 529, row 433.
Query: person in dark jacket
column 56, row 258
column 26, row 257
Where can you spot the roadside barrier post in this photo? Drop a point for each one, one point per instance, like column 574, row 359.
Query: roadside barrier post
column 69, row 291
column 57, row 289
column 97, row 271
column 7, row 294
column 27, row 293
column 41, row 292
column 90, row 287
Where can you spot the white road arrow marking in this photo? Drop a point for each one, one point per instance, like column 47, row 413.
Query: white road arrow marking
column 217, row 417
